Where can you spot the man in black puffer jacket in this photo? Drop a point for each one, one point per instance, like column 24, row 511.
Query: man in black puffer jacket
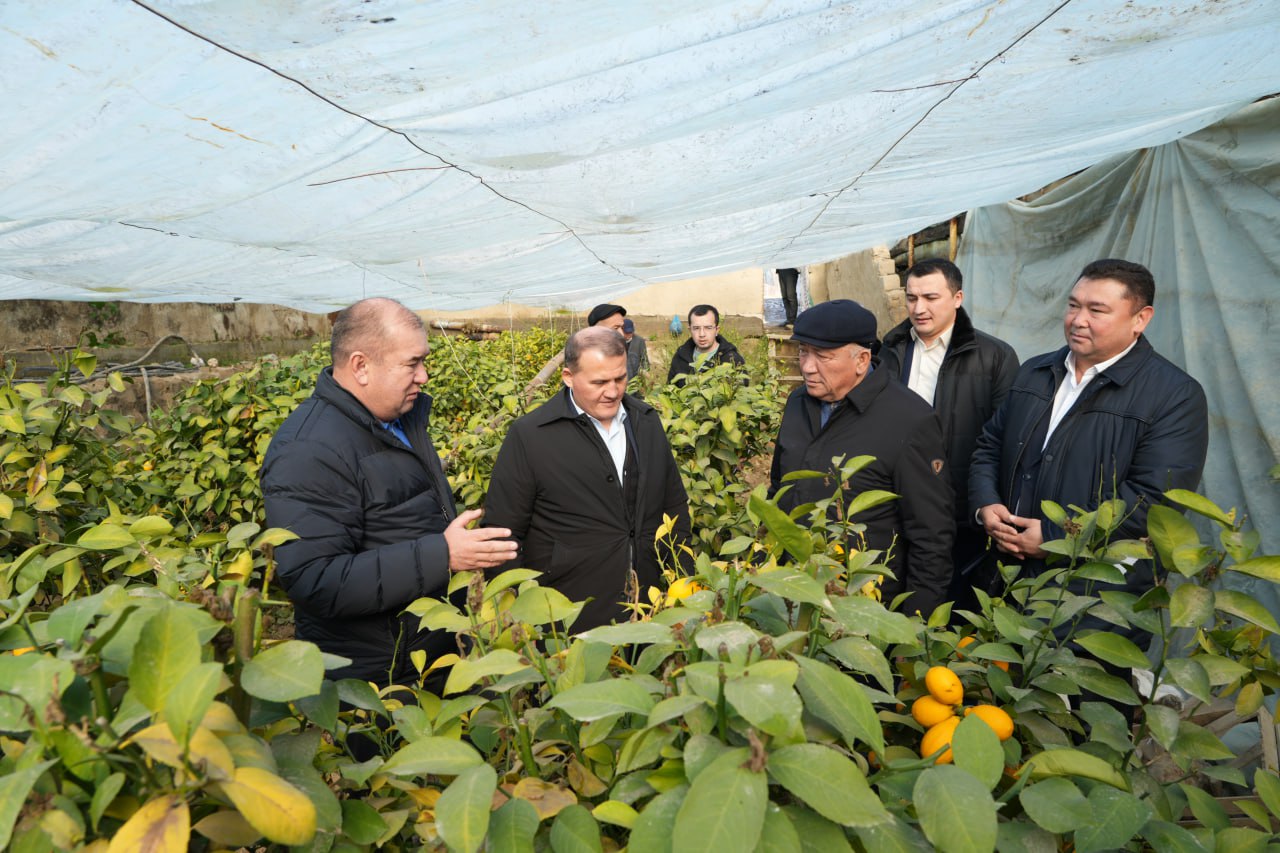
column 964, row 374
column 850, row 407
column 352, row 472
column 706, row 347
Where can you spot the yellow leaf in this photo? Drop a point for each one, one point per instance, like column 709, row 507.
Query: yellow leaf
column 161, row 826
column 584, row 781
column 272, row 806
column 547, row 799
column 228, row 828
column 425, row 797
column 220, row 718
column 240, row 569
column 205, row 751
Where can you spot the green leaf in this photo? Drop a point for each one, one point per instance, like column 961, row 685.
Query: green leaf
column 1163, row 723
column 575, row 831
column 105, row 537
column 790, row 535
column 441, row 756
column 1267, row 784
column 892, row 836
column 167, row 650
column 1117, row 817
column 361, row 822
column 513, row 826
column 462, row 812
column 956, row 812
column 1191, row 606
column 322, row 708
column 149, row 527
column 1206, row 809
column 1191, row 677
column 1197, row 742
column 286, row 671
column 862, row 655
column 1245, row 607
column 975, row 747
column 1099, row 682
column 791, row 584
column 829, row 783
column 628, row 634
column 654, row 827
column 1199, row 505
column 737, row 639
column 597, row 699
column 865, row 617
column 1170, row 838
column 868, row 500
column 1073, row 762
column 1267, row 568
column 1170, row 530
column 675, row 706
column 778, row 834
column 615, row 812
column 1242, row 839
column 724, row 809
column 539, row 605
column 187, row 702
column 769, row 704
column 1057, row 805
column 817, row 834
column 15, row 785
column 465, row 673
column 1115, row 650
column 839, row 700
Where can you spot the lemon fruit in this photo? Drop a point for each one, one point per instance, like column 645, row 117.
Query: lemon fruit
column 999, row 721
column 944, row 685
column 928, row 711
column 680, row 589
column 938, row 737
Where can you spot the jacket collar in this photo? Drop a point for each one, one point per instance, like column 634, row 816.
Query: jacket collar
column 560, row 408
column 862, row 395
column 328, row 389
column 687, row 348
column 1120, row 373
column 962, row 335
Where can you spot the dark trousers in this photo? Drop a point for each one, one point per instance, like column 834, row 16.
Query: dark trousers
column 787, row 280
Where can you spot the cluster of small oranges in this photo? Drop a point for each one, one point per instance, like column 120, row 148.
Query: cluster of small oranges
column 936, row 711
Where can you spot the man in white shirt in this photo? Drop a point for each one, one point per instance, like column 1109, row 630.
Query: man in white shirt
column 584, row 480
column 1105, row 417
column 960, row 371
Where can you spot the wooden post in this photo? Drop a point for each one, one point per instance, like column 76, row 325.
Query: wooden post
column 911, row 251
column 952, row 240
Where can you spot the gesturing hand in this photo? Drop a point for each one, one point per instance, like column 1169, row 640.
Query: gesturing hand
column 481, row 548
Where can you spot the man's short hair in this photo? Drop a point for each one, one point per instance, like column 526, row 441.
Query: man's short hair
column 704, row 309
column 362, row 326
column 949, row 271
column 599, row 338
column 1138, row 281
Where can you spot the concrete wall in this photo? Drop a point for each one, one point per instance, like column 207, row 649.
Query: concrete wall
column 867, row 277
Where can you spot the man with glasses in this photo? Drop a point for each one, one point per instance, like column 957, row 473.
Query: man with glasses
column 848, row 408
column 706, row 347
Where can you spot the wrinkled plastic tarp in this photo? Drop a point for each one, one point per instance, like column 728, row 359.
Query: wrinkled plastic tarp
column 1203, row 214
column 456, row 154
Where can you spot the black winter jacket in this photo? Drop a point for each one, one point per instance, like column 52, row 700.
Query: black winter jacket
column 974, row 378
column 370, row 513
column 682, row 361
column 1139, row 429
column 882, row 418
column 555, row 485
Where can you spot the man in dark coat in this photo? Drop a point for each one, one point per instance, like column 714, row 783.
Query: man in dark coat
column 352, row 473
column 706, row 347
column 850, row 407
column 584, row 480
column 964, row 374
column 1104, row 417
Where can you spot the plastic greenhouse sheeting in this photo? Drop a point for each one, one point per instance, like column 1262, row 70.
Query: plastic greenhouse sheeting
column 455, row 154
column 1203, row 213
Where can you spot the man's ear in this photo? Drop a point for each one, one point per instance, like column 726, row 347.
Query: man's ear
column 1142, row 318
column 358, row 366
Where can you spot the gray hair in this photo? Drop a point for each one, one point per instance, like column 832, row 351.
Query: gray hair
column 603, row 340
column 362, row 327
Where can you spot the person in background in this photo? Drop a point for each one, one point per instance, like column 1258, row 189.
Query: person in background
column 609, row 316
column 964, row 374
column 788, row 279
column 706, row 346
column 847, row 407
column 352, row 472
column 637, row 350
column 583, row 483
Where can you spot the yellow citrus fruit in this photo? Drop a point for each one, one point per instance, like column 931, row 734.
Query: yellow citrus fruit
column 147, row 466
column 944, row 685
column 929, row 711
column 938, row 737
column 1003, row 664
column 965, row 642
column 680, row 589
column 999, row 721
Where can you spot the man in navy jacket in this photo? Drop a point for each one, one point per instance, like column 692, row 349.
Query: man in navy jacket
column 1104, row 417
